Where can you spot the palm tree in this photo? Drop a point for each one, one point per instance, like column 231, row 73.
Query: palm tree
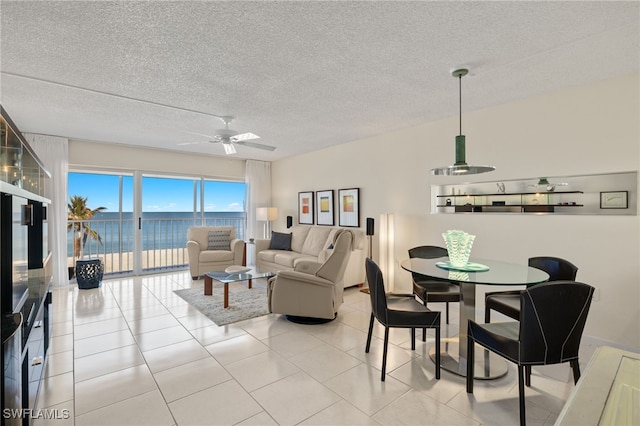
column 77, row 213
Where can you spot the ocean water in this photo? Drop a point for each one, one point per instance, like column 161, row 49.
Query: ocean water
column 159, row 230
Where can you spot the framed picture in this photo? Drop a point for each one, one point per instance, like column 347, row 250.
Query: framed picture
column 349, row 207
column 324, row 207
column 614, row 200
column 305, row 208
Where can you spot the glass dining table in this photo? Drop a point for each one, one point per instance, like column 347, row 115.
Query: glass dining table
column 480, row 271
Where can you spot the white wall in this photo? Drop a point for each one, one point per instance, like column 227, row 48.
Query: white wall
column 583, row 130
column 121, row 157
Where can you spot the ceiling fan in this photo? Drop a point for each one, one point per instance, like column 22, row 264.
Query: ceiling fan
column 229, row 138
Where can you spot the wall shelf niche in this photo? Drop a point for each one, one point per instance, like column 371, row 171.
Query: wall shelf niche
column 557, row 195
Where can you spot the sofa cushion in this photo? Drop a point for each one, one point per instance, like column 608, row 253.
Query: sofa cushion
column 328, row 245
column 267, row 255
column 280, row 241
column 315, row 241
column 215, row 256
column 219, row 240
column 288, row 259
column 298, row 236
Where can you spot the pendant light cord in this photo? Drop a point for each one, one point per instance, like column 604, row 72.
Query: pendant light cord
column 460, row 103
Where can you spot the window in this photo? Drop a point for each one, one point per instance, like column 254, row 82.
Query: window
column 170, row 205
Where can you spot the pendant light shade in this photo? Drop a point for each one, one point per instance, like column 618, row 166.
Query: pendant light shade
column 460, row 167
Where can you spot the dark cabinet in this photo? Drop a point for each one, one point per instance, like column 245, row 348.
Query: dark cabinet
column 25, row 274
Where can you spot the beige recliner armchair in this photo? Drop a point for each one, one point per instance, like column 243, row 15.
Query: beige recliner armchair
column 213, row 248
column 312, row 292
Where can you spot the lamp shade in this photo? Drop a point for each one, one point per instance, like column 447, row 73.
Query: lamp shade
column 261, row 214
column 272, row 213
column 265, row 214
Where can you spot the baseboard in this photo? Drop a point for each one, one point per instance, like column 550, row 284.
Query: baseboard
column 597, row 341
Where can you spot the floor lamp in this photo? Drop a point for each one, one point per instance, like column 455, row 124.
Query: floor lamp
column 387, row 249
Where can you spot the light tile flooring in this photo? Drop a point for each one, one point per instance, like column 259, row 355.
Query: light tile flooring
column 133, row 353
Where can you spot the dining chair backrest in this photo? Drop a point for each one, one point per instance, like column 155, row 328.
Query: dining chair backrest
column 376, row 291
column 426, row 252
column 552, row 319
column 557, row 268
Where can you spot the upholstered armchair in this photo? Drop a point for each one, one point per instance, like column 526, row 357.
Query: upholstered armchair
column 312, row 292
column 213, row 248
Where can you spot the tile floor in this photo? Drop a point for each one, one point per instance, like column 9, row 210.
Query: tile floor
column 133, row 353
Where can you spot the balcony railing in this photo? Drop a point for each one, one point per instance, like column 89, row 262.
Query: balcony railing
column 164, row 241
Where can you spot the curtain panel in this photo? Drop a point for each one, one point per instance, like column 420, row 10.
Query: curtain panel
column 53, row 151
column 258, row 180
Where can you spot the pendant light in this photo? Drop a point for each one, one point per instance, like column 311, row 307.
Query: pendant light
column 461, row 167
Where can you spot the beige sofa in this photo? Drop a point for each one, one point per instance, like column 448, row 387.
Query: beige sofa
column 213, row 252
column 311, row 243
column 312, row 292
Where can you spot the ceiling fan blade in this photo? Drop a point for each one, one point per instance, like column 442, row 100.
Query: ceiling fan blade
column 198, row 143
column 244, row 137
column 191, row 143
column 199, row 134
column 257, row 145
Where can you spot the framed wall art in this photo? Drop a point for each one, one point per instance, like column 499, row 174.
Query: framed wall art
column 349, row 207
column 614, row 200
column 324, row 207
column 305, row 208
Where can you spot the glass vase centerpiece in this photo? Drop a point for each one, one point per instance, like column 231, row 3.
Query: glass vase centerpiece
column 459, row 247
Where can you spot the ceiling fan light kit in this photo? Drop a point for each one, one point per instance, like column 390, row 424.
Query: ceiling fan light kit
column 229, row 148
column 460, row 167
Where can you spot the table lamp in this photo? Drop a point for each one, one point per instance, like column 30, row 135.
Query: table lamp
column 267, row 215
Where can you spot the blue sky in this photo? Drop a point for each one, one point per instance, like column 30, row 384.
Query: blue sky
column 158, row 194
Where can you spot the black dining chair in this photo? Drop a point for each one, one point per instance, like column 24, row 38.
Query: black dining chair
column 552, row 319
column 400, row 312
column 508, row 302
column 429, row 290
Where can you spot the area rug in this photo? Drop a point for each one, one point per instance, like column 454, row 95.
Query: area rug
column 244, row 303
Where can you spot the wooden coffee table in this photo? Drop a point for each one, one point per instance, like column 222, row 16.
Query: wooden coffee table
column 226, row 278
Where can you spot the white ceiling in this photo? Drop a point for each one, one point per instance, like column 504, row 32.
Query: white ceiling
column 302, row 75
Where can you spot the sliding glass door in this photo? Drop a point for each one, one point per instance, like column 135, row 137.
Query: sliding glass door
column 169, row 208
column 137, row 223
column 100, row 219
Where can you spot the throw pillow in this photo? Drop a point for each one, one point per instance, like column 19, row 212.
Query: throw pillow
column 280, row 241
column 219, row 240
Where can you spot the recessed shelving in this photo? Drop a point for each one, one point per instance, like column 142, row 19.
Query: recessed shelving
column 559, row 195
column 526, row 202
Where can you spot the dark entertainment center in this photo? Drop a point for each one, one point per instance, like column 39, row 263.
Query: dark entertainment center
column 25, row 273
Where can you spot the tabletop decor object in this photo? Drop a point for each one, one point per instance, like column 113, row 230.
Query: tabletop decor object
column 459, row 246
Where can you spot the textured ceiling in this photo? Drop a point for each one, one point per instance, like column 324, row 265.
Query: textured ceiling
column 302, row 75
